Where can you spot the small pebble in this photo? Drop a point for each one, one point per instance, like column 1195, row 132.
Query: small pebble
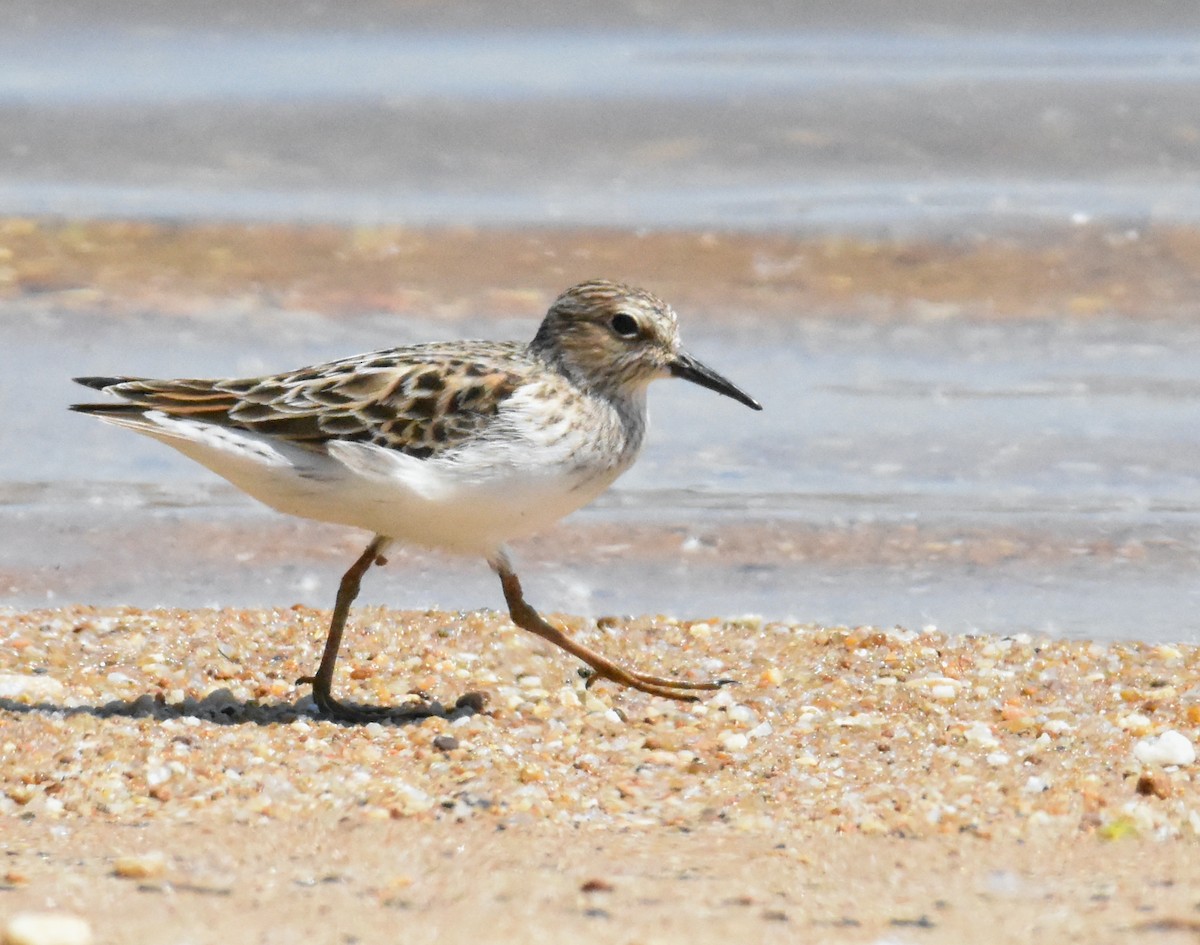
column 734, row 741
column 445, row 743
column 1154, row 784
column 140, row 866
column 742, row 713
column 762, row 730
column 1135, row 722
column 1169, row 748
column 942, row 688
column 475, row 701
column 981, row 734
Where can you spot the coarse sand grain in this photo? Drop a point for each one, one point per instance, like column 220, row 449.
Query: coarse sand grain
column 163, row 778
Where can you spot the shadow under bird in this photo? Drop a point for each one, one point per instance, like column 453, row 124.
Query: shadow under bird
column 460, row 446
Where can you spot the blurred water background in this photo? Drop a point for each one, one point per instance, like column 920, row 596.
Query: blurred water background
column 972, row 472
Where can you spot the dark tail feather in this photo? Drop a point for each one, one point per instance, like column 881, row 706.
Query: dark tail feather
column 106, row 409
column 101, row 383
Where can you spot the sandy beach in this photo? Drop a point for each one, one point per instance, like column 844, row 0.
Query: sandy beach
column 161, row 771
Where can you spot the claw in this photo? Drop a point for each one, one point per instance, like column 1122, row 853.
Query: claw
column 331, row 708
column 529, row 619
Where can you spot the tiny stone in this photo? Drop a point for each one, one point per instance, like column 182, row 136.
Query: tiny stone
column 140, row 866
column 1153, row 784
column 1134, row 722
column 981, row 734
column 475, row 701
column 742, row 713
column 734, row 741
column 445, row 743
column 1169, row 748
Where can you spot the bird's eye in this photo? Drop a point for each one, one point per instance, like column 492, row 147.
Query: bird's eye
column 624, row 325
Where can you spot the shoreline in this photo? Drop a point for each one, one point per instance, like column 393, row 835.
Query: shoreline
column 1072, row 580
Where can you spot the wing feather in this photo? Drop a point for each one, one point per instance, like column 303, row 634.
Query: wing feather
column 420, row 400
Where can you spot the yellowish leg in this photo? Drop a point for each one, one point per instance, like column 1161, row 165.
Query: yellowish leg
column 525, row 617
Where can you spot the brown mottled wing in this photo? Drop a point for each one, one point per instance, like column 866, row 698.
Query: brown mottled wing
column 419, row 400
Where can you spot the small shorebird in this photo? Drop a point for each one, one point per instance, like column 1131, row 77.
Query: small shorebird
column 459, row 445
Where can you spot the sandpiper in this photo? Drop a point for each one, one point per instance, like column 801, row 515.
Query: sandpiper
column 460, row 446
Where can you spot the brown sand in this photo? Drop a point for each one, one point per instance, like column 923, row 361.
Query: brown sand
column 122, row 266
column 160, row 779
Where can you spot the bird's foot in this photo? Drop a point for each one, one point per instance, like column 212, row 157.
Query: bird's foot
column 655, row 685
column 421, row 708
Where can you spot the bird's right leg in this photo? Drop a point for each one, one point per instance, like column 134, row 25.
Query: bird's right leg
column 322, row 680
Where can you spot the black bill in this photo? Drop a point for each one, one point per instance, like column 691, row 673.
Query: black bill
column 690, row 369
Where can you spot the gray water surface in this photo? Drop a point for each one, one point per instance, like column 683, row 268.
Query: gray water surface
column 810, row 121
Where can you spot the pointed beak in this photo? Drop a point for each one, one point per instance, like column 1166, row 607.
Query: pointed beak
column 690, row 369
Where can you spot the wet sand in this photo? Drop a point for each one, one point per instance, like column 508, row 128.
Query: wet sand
column 161, row 771
column 1098, row 581
column 1074, row 272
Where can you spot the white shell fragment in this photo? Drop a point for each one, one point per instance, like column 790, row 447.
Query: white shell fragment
column 1169, row 748
column 22, row 688
column 46, row 928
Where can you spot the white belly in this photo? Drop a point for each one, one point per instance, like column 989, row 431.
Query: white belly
column 468, row 518
column 472, row 500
